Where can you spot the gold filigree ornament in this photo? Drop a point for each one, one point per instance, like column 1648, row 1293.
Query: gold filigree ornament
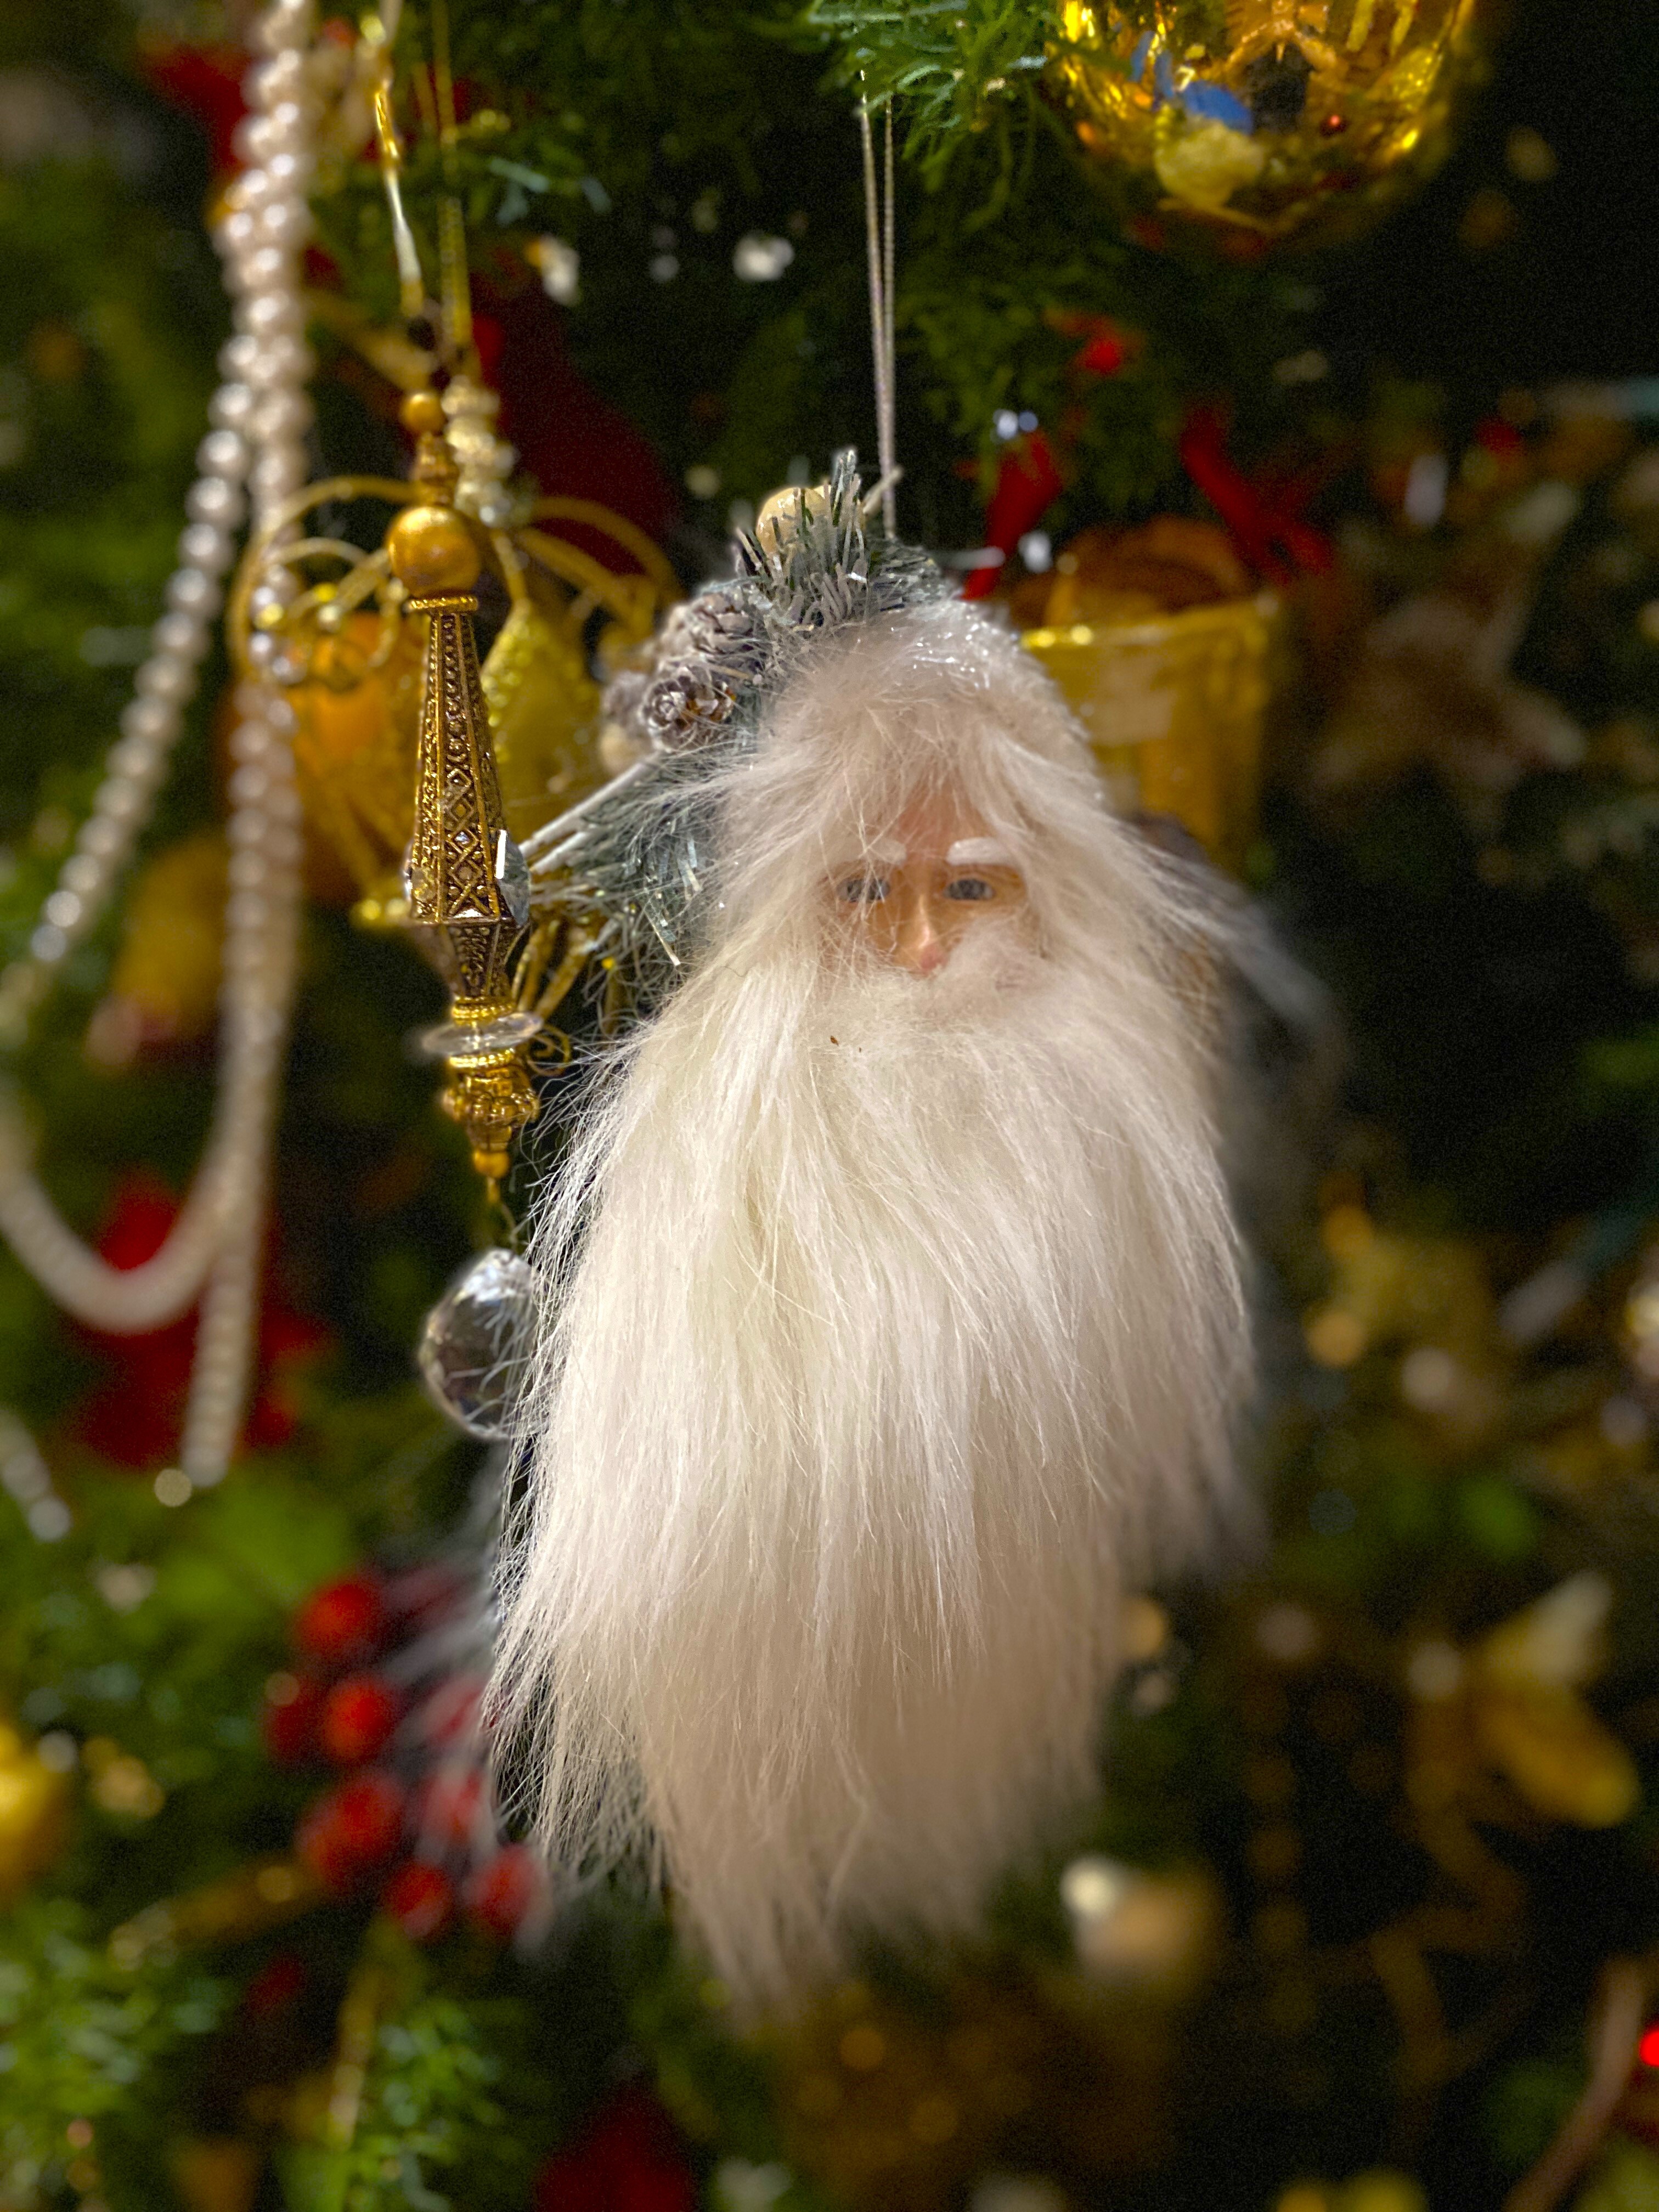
column 349, row 662
column 421, row 770
column 1257, row 120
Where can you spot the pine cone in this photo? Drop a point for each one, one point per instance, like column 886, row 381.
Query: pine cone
column 707, row 652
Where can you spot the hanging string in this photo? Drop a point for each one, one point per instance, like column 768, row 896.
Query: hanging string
column 889, row 453
column 878, row 238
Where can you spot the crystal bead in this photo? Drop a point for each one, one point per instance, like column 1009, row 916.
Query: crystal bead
column 477, row 1345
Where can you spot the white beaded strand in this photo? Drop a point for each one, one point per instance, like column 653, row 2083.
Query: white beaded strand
column 261, row 954
column 259, row 415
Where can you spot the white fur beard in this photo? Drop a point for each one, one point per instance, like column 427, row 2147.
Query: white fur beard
column 898, row 1327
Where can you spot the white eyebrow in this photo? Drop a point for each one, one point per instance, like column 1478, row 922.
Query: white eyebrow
column 979, row 852
column 886, row 852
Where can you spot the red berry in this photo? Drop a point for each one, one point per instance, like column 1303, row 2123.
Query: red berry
column 447, row 1814
column 343, row 1621
column 504, row 1893
column 420, row 1899
column 353, row 1831
column 287, row 1720
column 357, row 1719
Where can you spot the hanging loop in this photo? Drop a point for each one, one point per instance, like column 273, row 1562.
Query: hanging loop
column 878, row 238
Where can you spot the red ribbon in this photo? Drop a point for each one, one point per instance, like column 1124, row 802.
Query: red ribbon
column 1029, row 481
column 1029, row 474
column 1265, row 517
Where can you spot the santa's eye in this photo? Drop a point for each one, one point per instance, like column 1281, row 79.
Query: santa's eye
column 865, row 891
column 969, row 888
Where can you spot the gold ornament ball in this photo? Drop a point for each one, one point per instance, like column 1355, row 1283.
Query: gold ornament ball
column 432, row 552
column 1253, row 121
column 783, row 513
column 422, row 414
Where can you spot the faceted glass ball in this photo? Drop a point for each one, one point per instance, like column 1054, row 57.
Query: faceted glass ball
column 1266, row 119
column 478, row 1344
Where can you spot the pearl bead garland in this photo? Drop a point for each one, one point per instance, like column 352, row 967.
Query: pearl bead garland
column 255, row 450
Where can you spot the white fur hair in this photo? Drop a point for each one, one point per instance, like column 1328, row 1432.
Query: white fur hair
column 893, row 1325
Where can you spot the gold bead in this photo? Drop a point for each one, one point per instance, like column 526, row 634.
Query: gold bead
column 782, row 514
column 422, row 414
column 432, row 551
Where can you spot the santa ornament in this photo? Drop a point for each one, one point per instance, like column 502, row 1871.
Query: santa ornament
column 889, row 1315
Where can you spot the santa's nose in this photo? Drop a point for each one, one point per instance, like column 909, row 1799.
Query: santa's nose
column 920, row 945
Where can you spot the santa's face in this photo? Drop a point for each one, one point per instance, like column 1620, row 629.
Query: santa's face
column 921, row 888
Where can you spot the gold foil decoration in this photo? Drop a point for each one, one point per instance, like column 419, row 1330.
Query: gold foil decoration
column 355, row 717
column 543, row 706
column 1174, row 707
column 351, row 665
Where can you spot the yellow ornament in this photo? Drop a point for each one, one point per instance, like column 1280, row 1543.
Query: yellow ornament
column 544, row 715
column 1511, row 1707
column 354, row 747
column 1174, row 707
column 34, row 1814
column 1553, row 1748
column 432, row 552
column 164, row 987
column 1263, row 119
column 1529, row 1721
